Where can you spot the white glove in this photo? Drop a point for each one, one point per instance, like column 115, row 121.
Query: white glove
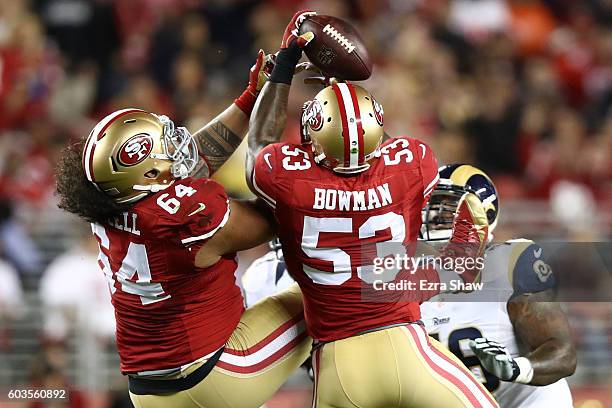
column 495, row 358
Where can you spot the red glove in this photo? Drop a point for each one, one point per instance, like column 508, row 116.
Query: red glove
column 293, row 28
column 470, row 235
column 470, row 224
column 258, row 75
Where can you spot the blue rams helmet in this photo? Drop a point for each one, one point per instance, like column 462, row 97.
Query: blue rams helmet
column 455, row 181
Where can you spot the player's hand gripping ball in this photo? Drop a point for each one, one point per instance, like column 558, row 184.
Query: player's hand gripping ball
column 294, row 32
column 337, row 48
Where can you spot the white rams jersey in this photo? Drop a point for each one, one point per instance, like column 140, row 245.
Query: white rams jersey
column 511, row 268
column 266, row 276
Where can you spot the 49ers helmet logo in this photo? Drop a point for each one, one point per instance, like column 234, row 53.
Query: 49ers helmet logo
column 135, row 149
column 378, row 111
column 312, row 115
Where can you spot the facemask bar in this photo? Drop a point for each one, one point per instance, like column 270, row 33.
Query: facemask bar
column 304, row 136
column 180, row 147
column 439, row 213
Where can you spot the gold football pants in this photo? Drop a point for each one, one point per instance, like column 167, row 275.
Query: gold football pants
column 269, row 343
column 395, row 367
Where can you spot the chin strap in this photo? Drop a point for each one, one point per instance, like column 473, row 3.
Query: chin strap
column 146, row 189
column 153, row 188
column 352, row 170
column 133, row 199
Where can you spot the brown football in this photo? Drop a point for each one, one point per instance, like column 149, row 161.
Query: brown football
column 337, row 49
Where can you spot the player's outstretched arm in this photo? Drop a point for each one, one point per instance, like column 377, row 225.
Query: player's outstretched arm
column 250, row 224
column 267, row 121
column 542, row 326
column 269, row 116
column 218, row 139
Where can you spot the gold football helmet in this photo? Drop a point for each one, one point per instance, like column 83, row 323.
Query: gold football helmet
column 344, row 123
column 131, row 153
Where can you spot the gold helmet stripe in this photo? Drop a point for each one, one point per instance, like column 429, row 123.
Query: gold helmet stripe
column 462, row 174
column 349, row 124
column 96, row 134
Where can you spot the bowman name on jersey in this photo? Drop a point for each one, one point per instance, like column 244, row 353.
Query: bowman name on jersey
column 324, row 223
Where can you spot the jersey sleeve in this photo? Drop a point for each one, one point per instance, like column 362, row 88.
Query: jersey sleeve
column 263, row 177
column 192, row 210
column 530, row 272
column 428, row 166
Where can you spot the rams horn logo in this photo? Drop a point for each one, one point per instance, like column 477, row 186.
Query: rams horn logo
column 313, row 115
column 542, row 270
column 135, row 149
column 378, row 111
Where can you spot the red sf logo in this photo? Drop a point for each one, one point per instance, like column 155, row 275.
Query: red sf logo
column 378, row 111
column 135, row 149
column 312, row 115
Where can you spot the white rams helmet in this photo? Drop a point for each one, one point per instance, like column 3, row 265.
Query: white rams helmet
column 455, row 181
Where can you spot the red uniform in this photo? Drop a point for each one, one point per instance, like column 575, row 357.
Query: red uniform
column 327, row 221
column 168, row 311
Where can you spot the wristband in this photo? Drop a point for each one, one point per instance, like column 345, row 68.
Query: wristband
column 285, row 63
column 246, row 102
column 525, row 370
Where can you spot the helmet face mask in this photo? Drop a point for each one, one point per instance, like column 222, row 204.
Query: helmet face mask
column 455, row 181
column 344, row 125
column 132, row 153
column 179, row 147
column 439, row 213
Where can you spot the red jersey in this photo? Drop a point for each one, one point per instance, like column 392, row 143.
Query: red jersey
column 168, row 311
column 327, row 220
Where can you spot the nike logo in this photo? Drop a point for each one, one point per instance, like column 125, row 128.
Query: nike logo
column 202, row 206
column 267, row 159
column 537, row 252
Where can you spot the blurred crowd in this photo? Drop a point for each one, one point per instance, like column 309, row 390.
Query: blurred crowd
column 520, row 88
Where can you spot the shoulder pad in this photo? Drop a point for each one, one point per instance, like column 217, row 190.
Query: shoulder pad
column 528, row 269
column 191, row 209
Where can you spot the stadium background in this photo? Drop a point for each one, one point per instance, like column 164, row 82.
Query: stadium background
column 521, row 88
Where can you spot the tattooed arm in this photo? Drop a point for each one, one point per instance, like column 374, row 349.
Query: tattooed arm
column 270, row 112
column 542, row 326
column 267, row 122
column 218, row 139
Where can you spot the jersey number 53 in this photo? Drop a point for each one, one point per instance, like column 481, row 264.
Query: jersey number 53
column 341, row 260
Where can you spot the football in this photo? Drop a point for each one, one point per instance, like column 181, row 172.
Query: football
column 337, row 49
